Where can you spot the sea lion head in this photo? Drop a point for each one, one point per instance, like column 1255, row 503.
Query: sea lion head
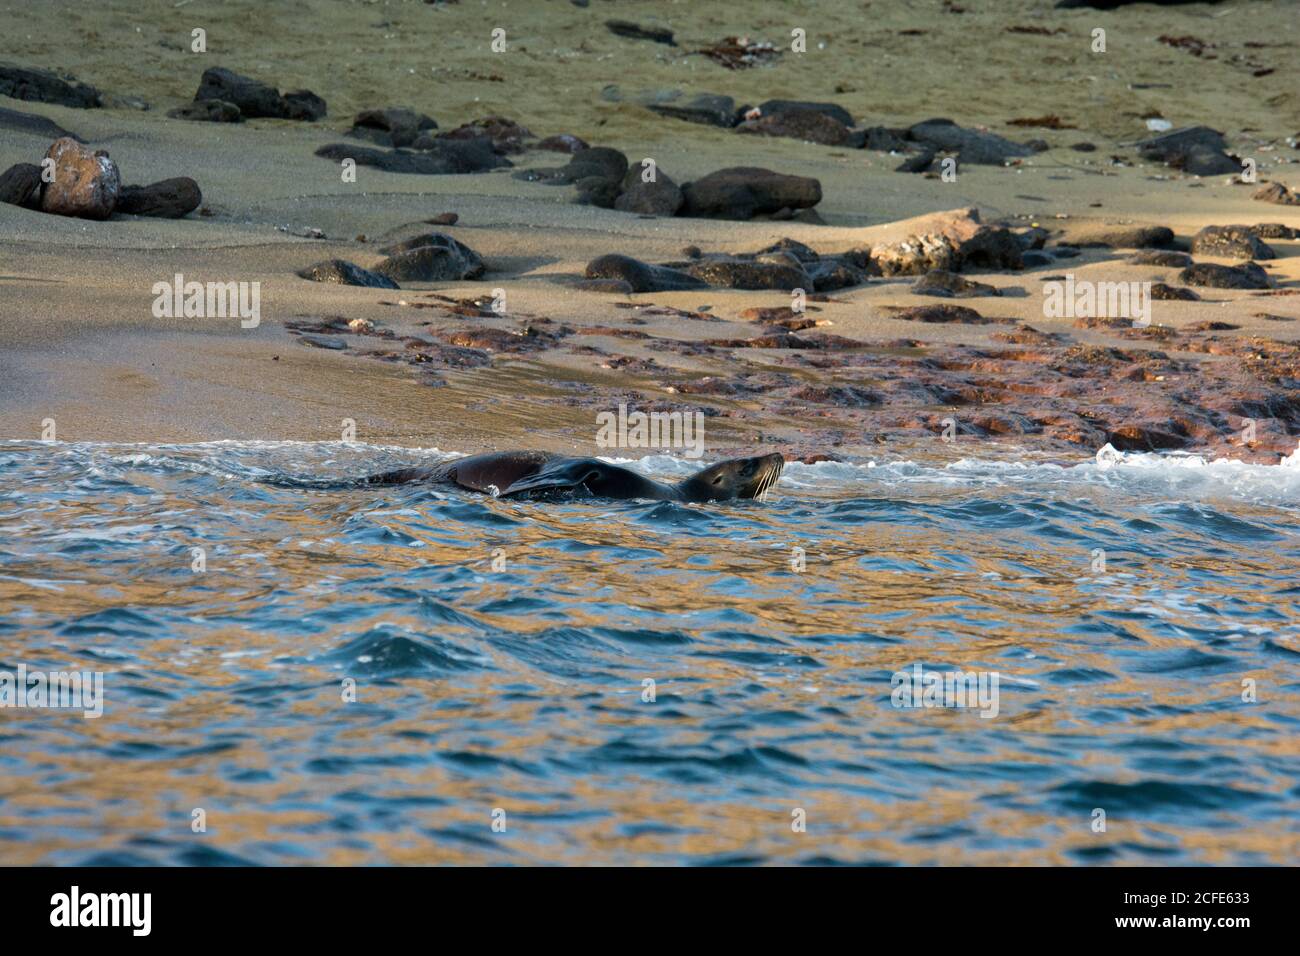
column 735, row 478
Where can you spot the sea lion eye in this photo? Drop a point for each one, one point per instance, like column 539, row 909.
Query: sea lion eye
column 717, row 480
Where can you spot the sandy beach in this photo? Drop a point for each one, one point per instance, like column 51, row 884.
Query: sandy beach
column 84, row 349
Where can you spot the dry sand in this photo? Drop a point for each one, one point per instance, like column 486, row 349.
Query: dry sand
column 82, row 347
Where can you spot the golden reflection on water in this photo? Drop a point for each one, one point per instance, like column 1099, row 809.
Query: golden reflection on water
column 773, row 686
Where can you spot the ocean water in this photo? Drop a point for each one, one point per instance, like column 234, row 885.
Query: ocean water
column 423, row 676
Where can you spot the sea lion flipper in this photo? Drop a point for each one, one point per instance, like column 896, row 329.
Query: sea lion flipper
column 556, row 475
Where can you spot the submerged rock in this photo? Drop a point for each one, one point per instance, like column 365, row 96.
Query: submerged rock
column 86, row 182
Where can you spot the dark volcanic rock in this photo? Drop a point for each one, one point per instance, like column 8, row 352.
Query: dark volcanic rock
column 916, row 162
column 430, row 257
column 563, row 143
column 1230, row 242
column 751, row 274
column 1198, row 150
column 634, row 31
column 885, row 140
column 1160, row 290
column 640, row 276
column 255, row 98
column 1247, row 276
column 1273, row 230
column 808, row 125
column 34, row 124
column 990, row 247
column 1278, row 193
column 42, row 86
column 1127, row 237
column 833, row 110
column 303, row 105
column 949, row 285
column 506, row 135
column 395, row 126
column 86, row 182
column 659, row 198
column 598, row 162
column 20, row 185
column 942, row 314
column 208, row 111
column 472, row 156
column 706, row 108
column 598, row 191
column 169, row 199
column 742, row 192
column 971, row 146
column 345, row 273
column 834, row 272
column 1160, row 257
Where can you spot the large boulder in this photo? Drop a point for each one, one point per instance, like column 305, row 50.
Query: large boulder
column 86, row 183
column 743, row 192
column 42, row 86
column 169, row 199
column 661, row 197
column 255, row 98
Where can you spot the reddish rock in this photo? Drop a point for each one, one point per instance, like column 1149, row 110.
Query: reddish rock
column 86, row 183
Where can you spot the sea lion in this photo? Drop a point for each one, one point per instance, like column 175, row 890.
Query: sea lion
column 532, row 473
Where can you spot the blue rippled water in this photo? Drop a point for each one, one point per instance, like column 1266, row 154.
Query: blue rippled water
column 649, row 683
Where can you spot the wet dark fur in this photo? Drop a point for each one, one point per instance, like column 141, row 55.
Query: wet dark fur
column 532, row 473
